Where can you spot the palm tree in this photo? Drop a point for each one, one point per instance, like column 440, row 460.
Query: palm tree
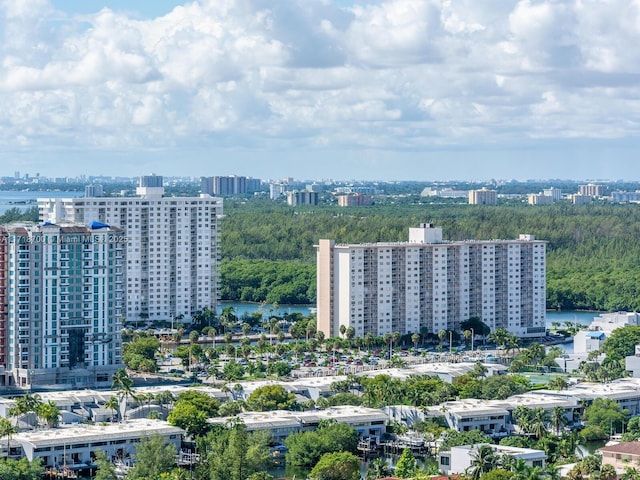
column 343, row 330
column 630, row 473
column 415, row 339
column 123, row 384
column 396, row 338
column 552, row 472
column 378, row 469
column 484, row 460
column 535, row 353
column 520, row 470
column 7, row 429
column 608, row 472
column 558, row 418
column 539, row 422
column 29, row 403
column 246, row 329
column 49, row 413
column 113, row 405
column 467, row 335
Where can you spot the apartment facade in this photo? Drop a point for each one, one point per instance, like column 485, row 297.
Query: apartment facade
column 218, row 185
column 302, row 198
column 483, row 197
column 64, row 304
column 172, row 253
column 429, row 283
column 354, row 200
column 591, row 190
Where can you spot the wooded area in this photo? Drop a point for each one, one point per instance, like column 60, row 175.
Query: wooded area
column 593, row 255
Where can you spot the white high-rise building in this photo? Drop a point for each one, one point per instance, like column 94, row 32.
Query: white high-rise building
column 430, row 283
column 172, row 246
column 64, row 296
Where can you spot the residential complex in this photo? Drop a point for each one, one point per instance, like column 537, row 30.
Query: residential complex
column 231, row 185
column 428, row 283
column 75, row 447
column 591, row 190
column 304, row 197
column 62, row 304
column 483, row 197
column 354, row 200
column 171, row 251
column 459, row 459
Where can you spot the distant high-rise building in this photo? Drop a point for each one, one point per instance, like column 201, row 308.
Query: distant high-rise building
column 554, row 193
column 483, row 197
column 172, row 247
column 253, row 185
column 64, row 304
column 579, row 199
column 625, row 197
column 539, row 199
column 151, row 181
column 223, row 186
column 355, row 200
column 93, row 190
column 433, row 284
column 591, row 190
column 276, row 190
column 302, row 198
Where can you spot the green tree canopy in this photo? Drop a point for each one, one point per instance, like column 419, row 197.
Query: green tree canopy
column 454, row 438
column 306, row 448
column 605, row 414
column 407, row 465
column 232, row 453
column 21, row 469
column 271, row 397
column 336, row 466
column 153, row 457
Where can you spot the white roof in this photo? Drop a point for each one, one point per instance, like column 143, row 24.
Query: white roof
column 100, row 432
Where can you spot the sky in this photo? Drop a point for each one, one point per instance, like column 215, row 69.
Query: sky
column 342, row 89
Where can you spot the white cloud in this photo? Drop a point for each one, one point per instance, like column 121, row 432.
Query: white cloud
column 395, row 74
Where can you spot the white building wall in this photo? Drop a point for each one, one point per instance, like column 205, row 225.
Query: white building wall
column 436, row 287
column 168, row 238
column 342, row 287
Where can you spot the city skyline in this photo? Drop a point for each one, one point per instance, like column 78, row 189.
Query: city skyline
column 397, row 89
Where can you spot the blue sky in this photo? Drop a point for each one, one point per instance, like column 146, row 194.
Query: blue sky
column 395, row 89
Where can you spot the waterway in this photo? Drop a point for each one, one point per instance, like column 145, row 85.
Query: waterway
column 23, row 200
column 245, row 308
column 242, row 308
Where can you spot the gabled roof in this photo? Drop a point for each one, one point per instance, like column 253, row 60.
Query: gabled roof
column 631, row 448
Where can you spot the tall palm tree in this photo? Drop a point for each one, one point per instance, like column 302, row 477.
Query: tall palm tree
column 49, row 413
column 378, row 469
column 630, row 473
column 608, row 472
column 558, row 418
column 415, row 339
column 539, row 422
column 552, row 472
column 112, row 404
column 123, row 384
column 519, row 470
column 467, row 335
column 7, row 429
column 483, row 460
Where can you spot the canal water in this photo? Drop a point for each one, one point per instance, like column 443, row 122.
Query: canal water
column 242, row 308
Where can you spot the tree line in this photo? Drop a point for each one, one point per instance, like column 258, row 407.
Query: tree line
column 592, row 254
